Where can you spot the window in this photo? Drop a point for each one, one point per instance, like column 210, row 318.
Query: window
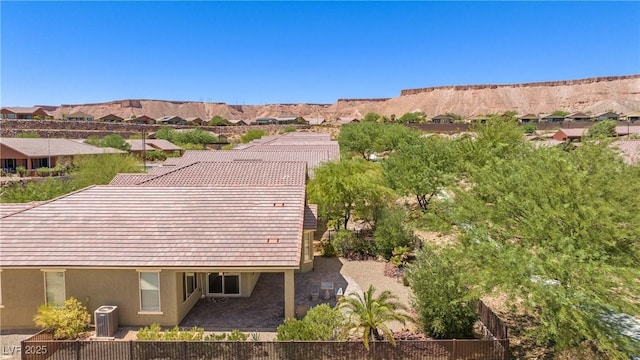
column 307, row 246
column 190, row 284
column 39, row 163
column 149, row 291
column 54, row 288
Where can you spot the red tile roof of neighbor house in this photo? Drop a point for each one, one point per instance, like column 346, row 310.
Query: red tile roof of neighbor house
column 22, row 110
column 186, row 227
column 630, row 150
column 312, row 158
column 241, row 173
column 130, row 179
column 153, row 144
column 43, row 147
column 333, row 150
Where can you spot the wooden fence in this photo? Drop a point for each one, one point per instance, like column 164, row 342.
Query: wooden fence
column 494, row 326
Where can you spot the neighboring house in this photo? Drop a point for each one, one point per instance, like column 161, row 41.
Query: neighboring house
column 239, row 122
column 42, row 152
column 195, row 120
column 529, row 118
column 140, row 119
column 551, row 118
column 630, row 150
column 286, row 119
column 442, row 119
column 315, row 121
column 265, row 121
column 478, row 119
column 27, row 113
column 633, row 116
column 347, row 119
column 78, row 116
column 153, row 251
column 171, row 120
column 609, row 115
column 624, row 130
column 579, row 116
column 162, row 145
column 110, row 118
column 568, row 134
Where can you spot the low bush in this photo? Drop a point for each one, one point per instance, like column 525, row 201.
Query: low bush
column 251, row 135
column 154, row 332
column 155, row 155
column 67, row 322
column 391, row 233
column 350, row 246
column 322, row 323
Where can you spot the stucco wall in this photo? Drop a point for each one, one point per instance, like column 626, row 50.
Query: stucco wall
column 23, row 292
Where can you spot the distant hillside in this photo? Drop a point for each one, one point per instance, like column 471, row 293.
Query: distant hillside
column 617, row 93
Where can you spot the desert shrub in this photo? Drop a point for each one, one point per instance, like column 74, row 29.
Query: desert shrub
column 400, row 256
column 154, row 332
column 155, row 155
column 114, row 141
column 21, row 170
column 251, row 135
column 529, row 128
column 289, row 129
column 227, row 147
column 67, row 322
column 322, row 323
column 441, row 296
column 36, row 191
column 350, row 246
column 328, row 249
column 234, row 335
column 391, row 232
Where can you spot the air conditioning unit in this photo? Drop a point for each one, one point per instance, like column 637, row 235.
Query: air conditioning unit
column 106, row 318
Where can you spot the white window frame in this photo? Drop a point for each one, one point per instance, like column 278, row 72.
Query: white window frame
column 64, row 285
column 149, row 312
column 194, row 275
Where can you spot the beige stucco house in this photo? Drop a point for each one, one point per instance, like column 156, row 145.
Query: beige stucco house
column 152, row 250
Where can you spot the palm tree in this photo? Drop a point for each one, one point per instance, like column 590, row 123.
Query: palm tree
column 370, row 314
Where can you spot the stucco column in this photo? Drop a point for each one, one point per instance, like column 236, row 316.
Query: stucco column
column 289, row 295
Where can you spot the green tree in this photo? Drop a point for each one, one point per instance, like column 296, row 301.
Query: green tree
column 321, row 323
column 422, row 169
column 372, row 117
column 390, row 232
column 601, row 130
column 445, row 306
column 359, row 138
column 251, row 135
column 101, row 169
column 560, row 113
column 558, row 232
column 346, row 187
column 369, row 314
column 529, row 128
column 412, row 117
column 218, row 121
column 114, row 141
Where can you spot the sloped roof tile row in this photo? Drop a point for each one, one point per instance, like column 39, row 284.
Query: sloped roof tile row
column 34, row 147
column 159, row 227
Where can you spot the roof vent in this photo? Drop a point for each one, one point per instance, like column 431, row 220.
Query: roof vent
column 273, row 241
column 278, row 204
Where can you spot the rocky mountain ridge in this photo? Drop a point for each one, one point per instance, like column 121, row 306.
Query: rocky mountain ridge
column 595, row 95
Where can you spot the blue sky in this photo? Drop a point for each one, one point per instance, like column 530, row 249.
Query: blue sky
column 316, row 52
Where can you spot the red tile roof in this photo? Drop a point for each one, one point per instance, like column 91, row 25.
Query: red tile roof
column 10, row 208
column 333, row 149
column 187, row 227
column 130, row 179
column 53, row 147
column 241, row 173
column 630, row 150
column 312, row 158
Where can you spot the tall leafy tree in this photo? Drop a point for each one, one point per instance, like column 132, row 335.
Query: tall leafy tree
column 370, row 314
column 346, row 187
column 559, row 232
column 602, row 129
column 422, row 169
column 101, row 169
column 359, row 138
